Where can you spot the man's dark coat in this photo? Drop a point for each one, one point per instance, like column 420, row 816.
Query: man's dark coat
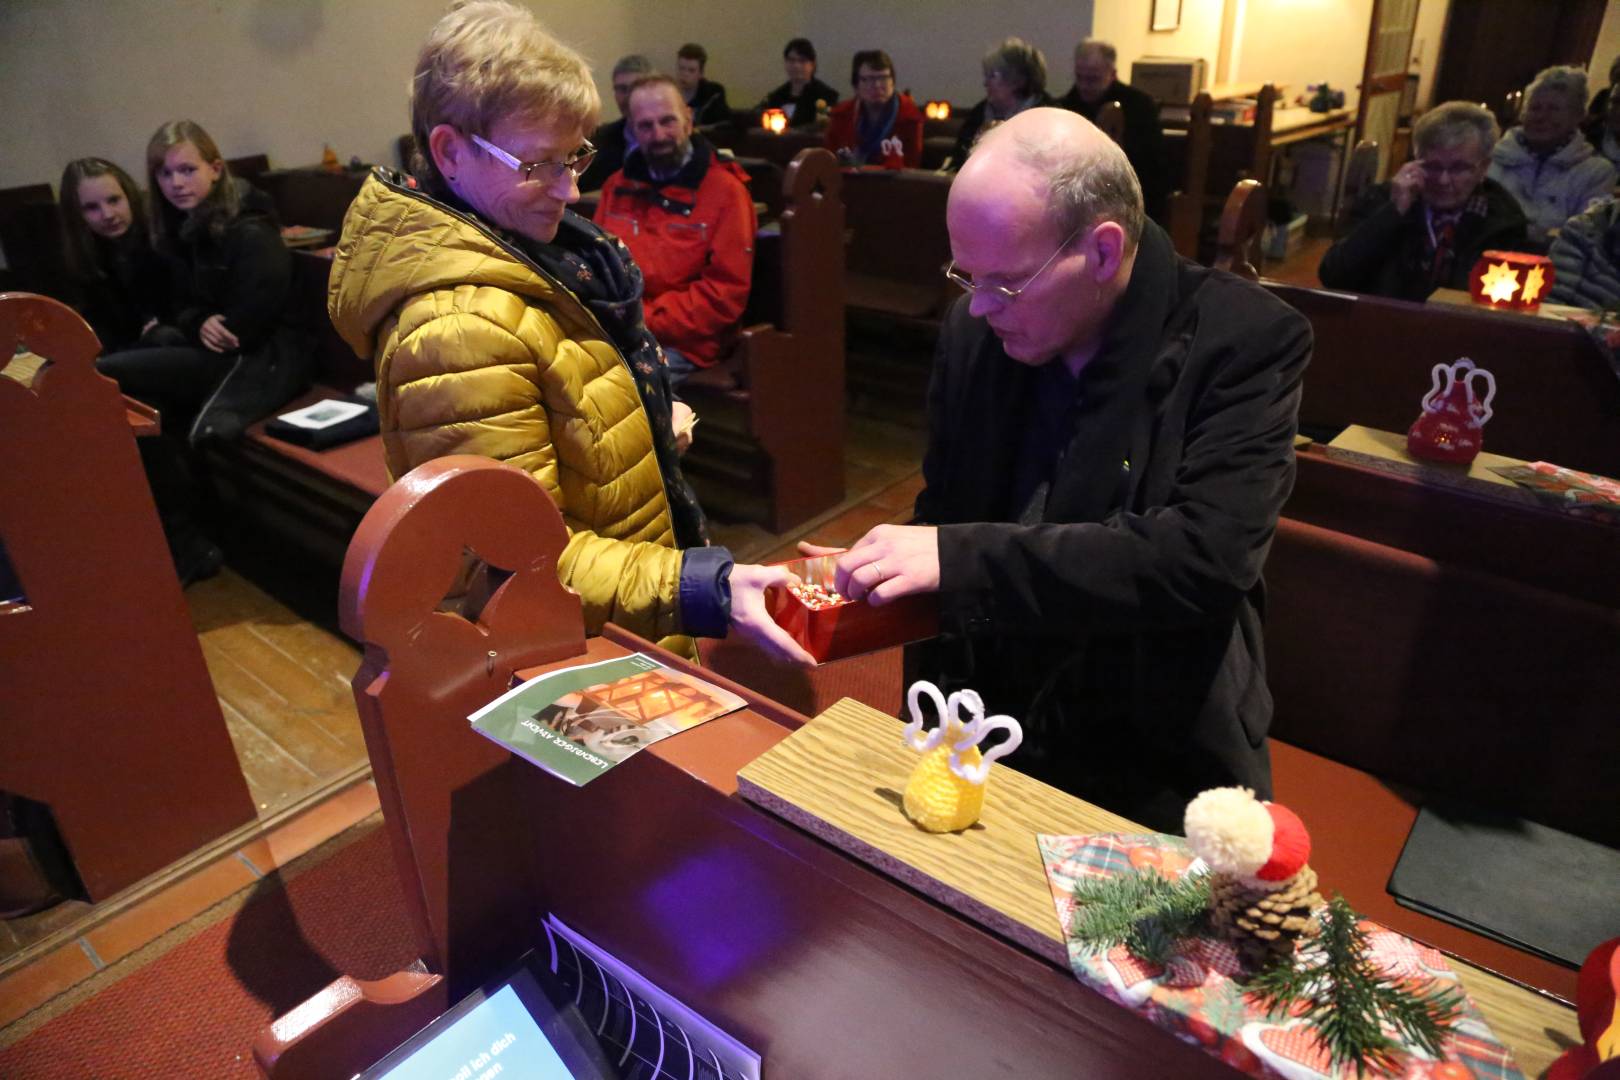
column 1121, row 622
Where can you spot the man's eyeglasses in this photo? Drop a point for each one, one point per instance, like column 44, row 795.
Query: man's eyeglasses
column 875, row 80
column 1435, row 171
column 956, row 276
column 543, row 172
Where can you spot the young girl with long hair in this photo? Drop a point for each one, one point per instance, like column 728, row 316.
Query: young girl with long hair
column 108, row 250
column 237, row 359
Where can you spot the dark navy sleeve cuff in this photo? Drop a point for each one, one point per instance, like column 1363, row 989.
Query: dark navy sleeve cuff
column 705, row 595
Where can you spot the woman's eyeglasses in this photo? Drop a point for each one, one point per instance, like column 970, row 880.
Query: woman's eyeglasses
column 543, row 172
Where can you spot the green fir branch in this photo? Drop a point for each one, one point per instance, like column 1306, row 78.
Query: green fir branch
column 1333, row 985
column 1145, row 911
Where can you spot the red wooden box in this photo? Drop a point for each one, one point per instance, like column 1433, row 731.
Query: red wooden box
column 852, row 627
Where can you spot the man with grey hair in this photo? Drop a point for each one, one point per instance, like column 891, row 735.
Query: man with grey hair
column 614, row 141
column 1110, row 442
column 1427, row 227
column 1546, row 163
column 1096, row 81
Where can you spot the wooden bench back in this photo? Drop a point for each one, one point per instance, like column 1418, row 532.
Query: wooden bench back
column 898, row 243
column 1243, row 219
column 1557, row 398
column 109, row 714
column 426, row 670
column 1242, row 151
column 1187, row 153
column 1111, row 121
column 1438, row 675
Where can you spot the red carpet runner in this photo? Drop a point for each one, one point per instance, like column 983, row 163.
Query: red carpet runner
column 195, row 1011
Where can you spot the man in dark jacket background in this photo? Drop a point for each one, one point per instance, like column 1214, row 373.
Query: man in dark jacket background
column 1096, row 80
column 1427, row 227
column 615, row 140
column 1110, row 443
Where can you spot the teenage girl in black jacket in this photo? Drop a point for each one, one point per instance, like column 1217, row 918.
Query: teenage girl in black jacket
column 109, row 253
column 236, row 359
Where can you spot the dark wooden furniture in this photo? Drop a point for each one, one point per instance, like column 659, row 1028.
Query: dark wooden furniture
column 1441, row 642
column 1237, row 240
column 249, row 168
column 762, row 929
column 1238, row 150
column 1187, row 158
column 771, row 443
column 1492, row 49
column 312, row 196
column 31, row 241
column 898, row 246
column 1111, row 120
column 1557, row 398
column 772, row 935
column 1359, row 175
column 110, row 718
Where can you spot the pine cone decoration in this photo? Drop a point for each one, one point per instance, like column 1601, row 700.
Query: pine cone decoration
column 1264, row 925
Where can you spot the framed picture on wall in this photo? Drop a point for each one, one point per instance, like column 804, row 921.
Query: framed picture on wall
column 1166, row 14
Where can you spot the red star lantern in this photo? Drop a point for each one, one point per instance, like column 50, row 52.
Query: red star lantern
column 937, row 110
column 774, row 121
column 1511, row 279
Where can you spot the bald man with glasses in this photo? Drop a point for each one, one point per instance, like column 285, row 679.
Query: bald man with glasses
column 1110, row 443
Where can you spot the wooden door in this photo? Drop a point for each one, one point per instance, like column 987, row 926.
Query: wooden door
column 1494, row 47
column 1383, row 76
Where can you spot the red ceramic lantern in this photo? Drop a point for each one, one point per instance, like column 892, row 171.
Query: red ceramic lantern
column 1450, row 427
column 1511, row 279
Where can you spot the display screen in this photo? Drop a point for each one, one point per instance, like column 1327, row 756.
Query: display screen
column 510, row 1032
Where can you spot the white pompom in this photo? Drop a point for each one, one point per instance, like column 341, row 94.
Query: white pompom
column 1230, row 830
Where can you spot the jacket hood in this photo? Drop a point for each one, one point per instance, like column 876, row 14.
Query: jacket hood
column 1512, row 153
column 399, row 242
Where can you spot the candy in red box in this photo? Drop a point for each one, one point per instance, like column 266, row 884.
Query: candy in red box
column 831, row 627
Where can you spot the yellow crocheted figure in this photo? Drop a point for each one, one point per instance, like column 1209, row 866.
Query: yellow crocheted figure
column 946, row 789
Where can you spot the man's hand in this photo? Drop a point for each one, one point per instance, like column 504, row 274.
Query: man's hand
column 216, row 337
column 751, row 619
column 889, row 562
column 1406, row 186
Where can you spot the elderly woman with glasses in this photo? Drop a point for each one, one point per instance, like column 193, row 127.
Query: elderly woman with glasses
column 1014, row 80
column 1546, row 163
column 877, row 126
column 503, row 324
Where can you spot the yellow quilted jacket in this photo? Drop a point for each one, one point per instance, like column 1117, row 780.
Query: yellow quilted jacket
column 478, row 353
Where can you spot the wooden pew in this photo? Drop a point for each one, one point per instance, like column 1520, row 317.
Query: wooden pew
column 110, row 718
column 766, row 932
column 313, row 196
column 1359, row 175
column 480, row 839
column 1237, row 240
column 31, row 242
column 1427, row 642
column 771, row 445
column 1187, row 154
column 898, row 247
column 1557, row 398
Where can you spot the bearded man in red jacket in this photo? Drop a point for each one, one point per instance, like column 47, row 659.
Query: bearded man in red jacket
column 688, row 219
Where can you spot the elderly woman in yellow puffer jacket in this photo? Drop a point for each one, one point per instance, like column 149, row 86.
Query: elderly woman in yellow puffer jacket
column 502, row 324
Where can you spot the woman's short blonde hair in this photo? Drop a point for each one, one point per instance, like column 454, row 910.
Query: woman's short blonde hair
column 488, row 60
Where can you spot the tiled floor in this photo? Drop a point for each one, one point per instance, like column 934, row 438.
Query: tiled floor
column 114, row 931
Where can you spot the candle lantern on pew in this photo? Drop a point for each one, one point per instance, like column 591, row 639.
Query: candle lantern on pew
column 1513, row 280
column 774, row 121
column 937, row 110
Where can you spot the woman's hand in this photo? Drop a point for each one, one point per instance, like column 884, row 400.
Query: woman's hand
column 683, row 420
column 889, row 562
column 751, row 618
column 216, row 337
